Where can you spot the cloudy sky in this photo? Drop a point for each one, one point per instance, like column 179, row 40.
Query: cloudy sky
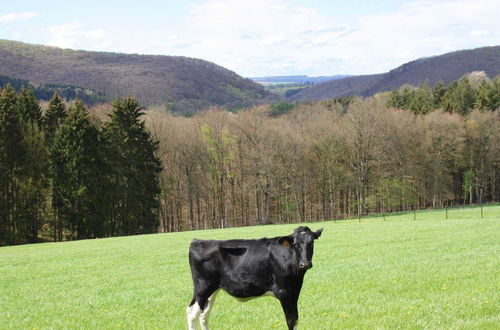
column 262, row 37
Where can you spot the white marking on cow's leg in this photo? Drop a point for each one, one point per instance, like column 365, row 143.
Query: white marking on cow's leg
column 206, row 312
column 193, row 312
column 295, row 326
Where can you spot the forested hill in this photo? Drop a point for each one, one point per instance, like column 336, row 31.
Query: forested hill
column 68, row 93
column 180, row 83
column 444, row 68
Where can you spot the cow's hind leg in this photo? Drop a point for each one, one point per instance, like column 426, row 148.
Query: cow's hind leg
column 193, row 311
column 200, row 306
column 206, row 311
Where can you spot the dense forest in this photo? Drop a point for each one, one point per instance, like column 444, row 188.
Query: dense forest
column 72, row 173
column 328, row 160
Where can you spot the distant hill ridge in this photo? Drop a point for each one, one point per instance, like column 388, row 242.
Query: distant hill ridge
column 445, row 68
column 180, row 83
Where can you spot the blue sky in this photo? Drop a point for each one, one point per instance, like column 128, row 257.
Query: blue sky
column 262, row 37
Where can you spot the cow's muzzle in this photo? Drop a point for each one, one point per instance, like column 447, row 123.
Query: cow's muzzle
column 305, row 265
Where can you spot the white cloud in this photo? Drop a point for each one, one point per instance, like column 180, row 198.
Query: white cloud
column 272, row 39
column 479, row 32
column 13, row 17
column 257, row 33
column 248, row 35
column 74, row 35
column 276, row 37
column 426, row 28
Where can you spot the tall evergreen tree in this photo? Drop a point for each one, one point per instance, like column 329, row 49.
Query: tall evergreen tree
column 422, row 101
column 12, row 157
column 29, row 109
column 52, row 119
column 459, row 97
column 488, row 97
column 76, row 173
column 438, row 93
column 33, row 176
column 135, row 169
column 55, row 114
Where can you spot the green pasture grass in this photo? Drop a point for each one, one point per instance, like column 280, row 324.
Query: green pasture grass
column 400, row 273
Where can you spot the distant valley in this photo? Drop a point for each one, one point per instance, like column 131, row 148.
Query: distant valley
column 300, row 79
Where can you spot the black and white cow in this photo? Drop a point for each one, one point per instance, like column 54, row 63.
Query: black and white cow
column 250, row 268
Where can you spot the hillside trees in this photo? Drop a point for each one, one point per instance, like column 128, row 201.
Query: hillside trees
column 460, row 96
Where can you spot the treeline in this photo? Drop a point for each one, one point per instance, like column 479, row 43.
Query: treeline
column 66, row 175
column 473, row 91
column 321, row 161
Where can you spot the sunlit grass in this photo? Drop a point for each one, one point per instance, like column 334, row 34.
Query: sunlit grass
column 399, row 273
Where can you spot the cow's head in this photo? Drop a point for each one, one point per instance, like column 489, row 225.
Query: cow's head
column 302, row 241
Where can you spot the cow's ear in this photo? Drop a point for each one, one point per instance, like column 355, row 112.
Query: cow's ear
column 318, row 232
column 286, row 241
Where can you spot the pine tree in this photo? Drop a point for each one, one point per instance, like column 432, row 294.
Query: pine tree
column 459, row 97
column 449, row 102
column 438, row 93
column 29, row 109
column 32, row 178
column 135, row 169
column 12, row 156
column 422, row 101
column 54, row 116
column 488, row 97
column 466, row 96
column 76, row 173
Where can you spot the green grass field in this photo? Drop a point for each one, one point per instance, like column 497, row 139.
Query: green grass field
column 399, row 273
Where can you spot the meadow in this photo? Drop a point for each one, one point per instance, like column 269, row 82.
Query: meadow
column 430, row 272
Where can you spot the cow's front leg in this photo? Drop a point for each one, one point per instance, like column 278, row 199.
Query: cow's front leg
column 289, row 305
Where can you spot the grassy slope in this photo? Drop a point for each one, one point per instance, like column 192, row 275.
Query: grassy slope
column 429, row 273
